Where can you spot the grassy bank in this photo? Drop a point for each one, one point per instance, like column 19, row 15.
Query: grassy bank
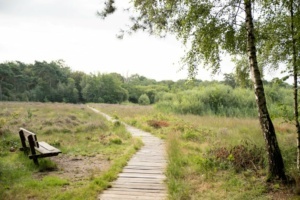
column 214, row 157
column 94, row 151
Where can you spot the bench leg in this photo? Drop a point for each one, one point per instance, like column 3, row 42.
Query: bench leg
column 35, row 160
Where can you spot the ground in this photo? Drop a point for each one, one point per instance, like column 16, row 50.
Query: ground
column 77, row 168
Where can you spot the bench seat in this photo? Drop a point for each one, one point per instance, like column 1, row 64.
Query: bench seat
column 45, row 148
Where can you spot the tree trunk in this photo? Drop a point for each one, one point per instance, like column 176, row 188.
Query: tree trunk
column 295, row 75
column 0, row 91
column 275, row 161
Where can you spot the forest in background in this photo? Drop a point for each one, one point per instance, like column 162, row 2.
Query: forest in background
column 56, row 82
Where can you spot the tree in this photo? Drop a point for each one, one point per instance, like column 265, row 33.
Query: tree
column 67, row 93
column 111, row 90
column 211, row 27
column 78, row 76
column 242, row 71
column 281, row 30
column 106, row 88
column 144, row 99
column 229, row 79
column 5, row 76
column 137, row 85
column 90, row 85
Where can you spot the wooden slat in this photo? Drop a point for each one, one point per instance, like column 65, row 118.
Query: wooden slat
column 143, row 178
column 129, row 197
column 26, row 132
column 140, row 186
column 149, row 171
column 136, row 192
column 45, row 148
column 146, row 176
column 140, row 181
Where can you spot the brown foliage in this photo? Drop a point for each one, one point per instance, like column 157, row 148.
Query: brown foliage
column 157, row 124
column 242, row 157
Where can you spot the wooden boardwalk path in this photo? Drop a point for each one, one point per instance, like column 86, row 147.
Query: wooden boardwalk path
column 143, row 177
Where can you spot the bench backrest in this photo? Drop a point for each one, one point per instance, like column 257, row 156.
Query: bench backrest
column 30, row 137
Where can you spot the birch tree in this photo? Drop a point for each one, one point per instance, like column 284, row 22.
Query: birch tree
column 210, row 28
column 280, row 44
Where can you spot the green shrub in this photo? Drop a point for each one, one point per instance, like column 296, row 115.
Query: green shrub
column 144, row 100
column 222, row 100
column 115, row 141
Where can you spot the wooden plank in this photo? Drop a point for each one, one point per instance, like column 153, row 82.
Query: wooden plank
column 146, row 176
column 142, row 171
column 143, row 177
column 155, row 157
column 26, row 132
column 129, row 197
column 132, row 179
column 142, row 163
column 132, row 193
column 139, row 179
column 145, row 167
column 150, row 160
column 152, row 154
column 140, row 186
column 45, row 148
column 134, row 196
column 133, row 190
column 143, row 159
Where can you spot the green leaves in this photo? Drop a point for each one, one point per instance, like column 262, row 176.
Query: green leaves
column 108, row 9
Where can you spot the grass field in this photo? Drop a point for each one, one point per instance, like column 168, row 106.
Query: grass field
column 214, row 157
column 94, row 151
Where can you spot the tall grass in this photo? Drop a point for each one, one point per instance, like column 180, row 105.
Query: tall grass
column 222, row 100
column 179, row 189
column 77, row 132
column 214, row 157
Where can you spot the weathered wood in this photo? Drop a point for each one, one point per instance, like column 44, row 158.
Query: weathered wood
column 143, row 178
column 140, row 186
column 138, row 175
column 129, row 197
column 141, row 171
column 138, row 192
column 146, row 163
column 44, row 149
column 127, row 194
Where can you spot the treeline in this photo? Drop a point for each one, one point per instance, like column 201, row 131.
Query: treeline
column 55, row 82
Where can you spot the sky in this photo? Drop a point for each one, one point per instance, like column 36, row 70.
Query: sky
column 48, row 30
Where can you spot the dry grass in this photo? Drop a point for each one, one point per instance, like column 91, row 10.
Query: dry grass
column 195, row 173
column 94, row 151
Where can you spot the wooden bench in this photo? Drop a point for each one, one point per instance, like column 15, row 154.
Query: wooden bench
column 44, row 149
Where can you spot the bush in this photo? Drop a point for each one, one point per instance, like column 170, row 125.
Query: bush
column 144, row 100
column 242, row 157
column 214, row 99
column 157, row 124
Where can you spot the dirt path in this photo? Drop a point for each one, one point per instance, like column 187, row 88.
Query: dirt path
column 143, row 177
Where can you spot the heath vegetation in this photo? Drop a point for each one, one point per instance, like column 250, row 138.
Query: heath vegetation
column 94, row 151
column 215, row 157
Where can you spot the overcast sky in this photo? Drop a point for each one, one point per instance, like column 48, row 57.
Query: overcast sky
column 47, row 30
